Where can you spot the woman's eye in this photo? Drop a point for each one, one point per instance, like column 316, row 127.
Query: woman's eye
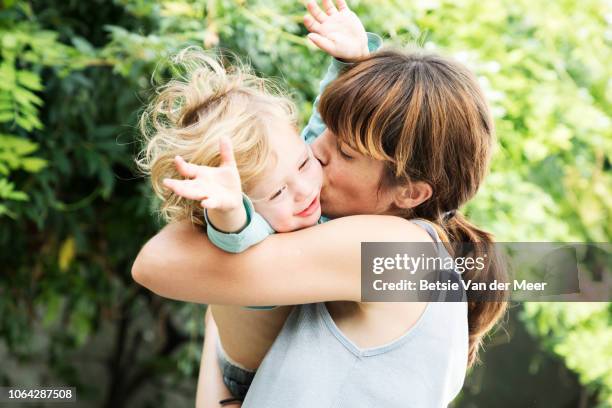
column 278, row 193
column 346, row 156
column 306, row 162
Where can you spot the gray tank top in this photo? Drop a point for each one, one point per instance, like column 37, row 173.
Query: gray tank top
column 313, row 364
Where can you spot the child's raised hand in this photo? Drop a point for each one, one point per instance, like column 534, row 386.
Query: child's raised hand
column 337, row 30
column 216, row 188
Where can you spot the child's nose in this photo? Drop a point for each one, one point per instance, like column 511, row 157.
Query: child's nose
column 303, row 190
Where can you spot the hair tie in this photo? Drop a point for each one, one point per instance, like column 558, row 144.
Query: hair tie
column 230, row 401
column 449, row 214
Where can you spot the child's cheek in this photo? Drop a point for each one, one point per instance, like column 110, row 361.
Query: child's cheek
column 283, row 221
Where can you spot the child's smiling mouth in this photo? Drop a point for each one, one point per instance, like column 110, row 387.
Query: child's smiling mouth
column 312, row 207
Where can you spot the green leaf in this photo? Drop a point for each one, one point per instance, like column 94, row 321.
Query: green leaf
column 6, row 116
column 33, row 164
column 66, row 254
column 29, row 80
column 8, row 192
column 25, row 97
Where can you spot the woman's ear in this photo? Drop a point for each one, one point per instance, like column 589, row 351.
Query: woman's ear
column 412, row 195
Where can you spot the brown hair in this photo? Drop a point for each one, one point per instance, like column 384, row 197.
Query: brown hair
column 190, row 113
column 426, row 117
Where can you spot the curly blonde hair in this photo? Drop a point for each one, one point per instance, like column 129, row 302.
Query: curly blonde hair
column 191, row 112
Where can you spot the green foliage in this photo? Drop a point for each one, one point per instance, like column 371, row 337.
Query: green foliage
column 73, row 212
column 582, row 335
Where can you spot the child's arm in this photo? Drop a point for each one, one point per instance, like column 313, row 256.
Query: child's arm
column 315, row 126
column 218, row 189
column 255, row 230
column 233, row 224
column 340, row 33
column 211, row 388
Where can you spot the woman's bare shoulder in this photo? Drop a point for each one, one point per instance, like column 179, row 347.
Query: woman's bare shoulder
column 381, row 228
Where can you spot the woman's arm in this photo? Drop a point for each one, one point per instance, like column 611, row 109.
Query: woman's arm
column 317, row 264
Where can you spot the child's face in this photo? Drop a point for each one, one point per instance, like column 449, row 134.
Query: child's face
column 288, row 194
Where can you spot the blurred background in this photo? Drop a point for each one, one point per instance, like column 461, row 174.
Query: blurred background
column 73, row 211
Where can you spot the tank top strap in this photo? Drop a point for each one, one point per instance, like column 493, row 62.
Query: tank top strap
column 426, row 225
column 443, row 253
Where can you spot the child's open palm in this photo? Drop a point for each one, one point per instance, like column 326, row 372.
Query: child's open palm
column 337, row 30
column 216, row 188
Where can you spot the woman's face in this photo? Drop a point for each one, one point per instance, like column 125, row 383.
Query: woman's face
column 350, row 180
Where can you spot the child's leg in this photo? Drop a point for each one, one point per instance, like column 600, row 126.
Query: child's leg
column 246, row 335
column 236, row 377
column 211, row 388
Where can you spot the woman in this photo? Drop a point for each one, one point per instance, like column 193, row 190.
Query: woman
column 408, row 136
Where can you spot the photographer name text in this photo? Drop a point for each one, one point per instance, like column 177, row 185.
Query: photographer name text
column 426, row 285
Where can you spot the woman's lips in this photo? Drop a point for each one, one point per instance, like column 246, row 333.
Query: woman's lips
column 312, row 207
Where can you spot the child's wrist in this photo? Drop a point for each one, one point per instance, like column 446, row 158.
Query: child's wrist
column 364, row 53
column 228, row 221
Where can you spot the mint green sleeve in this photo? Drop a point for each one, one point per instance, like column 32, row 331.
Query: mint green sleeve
column 315, row 125
column 255, row 231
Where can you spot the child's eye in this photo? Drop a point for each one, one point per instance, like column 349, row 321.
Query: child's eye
column 278, row 193
column 306, row 162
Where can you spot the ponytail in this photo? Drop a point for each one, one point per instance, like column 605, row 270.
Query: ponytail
column 482, row 314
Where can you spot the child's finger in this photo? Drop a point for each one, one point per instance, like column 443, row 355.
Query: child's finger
column 316, row 12
column 185, row 188
column 323, row 43
column 169, row 183
column 329, row 7
column 227, row 152
column 311, row 24
column 341, row 4
column 185, row 169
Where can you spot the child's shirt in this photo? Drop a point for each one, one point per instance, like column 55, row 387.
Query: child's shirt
column 257, row 228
